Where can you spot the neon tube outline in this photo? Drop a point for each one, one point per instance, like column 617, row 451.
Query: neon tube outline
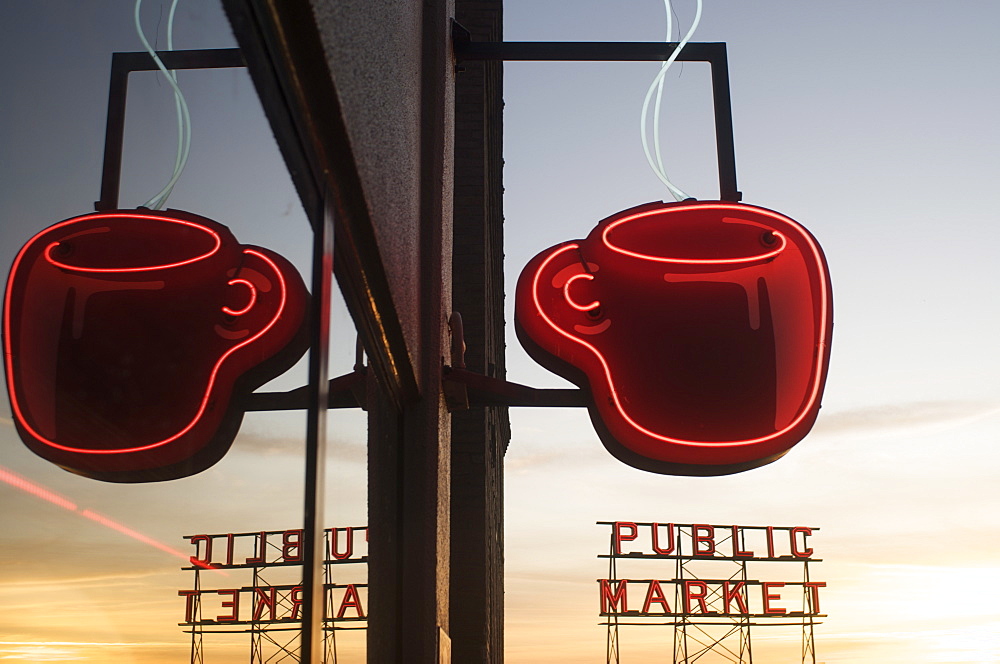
column 8, row 355
column 253, row 297
column 686, row 261
column 565, row 289
column 821, row 344
column 48, row 250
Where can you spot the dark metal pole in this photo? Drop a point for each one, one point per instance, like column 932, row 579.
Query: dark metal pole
column 313, row 592
column 724, row 143
column 114, row 135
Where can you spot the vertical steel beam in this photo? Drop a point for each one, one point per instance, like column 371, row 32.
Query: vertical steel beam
column 724, row 143
column 312, row 536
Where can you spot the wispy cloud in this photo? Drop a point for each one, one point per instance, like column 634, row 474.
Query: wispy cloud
column 264, row 445
column 564, row 458
column 66, row 651
column 891, row 418
column 15, row 584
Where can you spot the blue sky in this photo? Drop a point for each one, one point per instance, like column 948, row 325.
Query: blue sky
column 872, row 124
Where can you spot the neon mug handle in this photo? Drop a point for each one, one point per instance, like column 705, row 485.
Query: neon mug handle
column 250, row 304
column 259, row 276
column 595, row 304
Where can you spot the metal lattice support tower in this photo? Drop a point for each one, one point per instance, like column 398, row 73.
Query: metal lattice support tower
column 746, row 650
column 330, row 630
column 612, row 641
column 680, row 626
column 265, row 646
column 694, row 636
column 197, row 644
column 256, row 647
column 808, row 636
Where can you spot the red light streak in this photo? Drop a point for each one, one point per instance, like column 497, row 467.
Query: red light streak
column 27, row 486
column 39, row 491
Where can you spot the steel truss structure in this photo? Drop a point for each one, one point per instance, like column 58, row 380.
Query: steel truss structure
column 715, row 635
column 274, row 641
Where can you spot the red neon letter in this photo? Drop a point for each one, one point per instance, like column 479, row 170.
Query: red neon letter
column 770, row 541
column 656, row 539
column 335, row 549
column 654, row 595
column 620, row 537
column 351, row 601
column 230, row 545
column 700, row 596
column 737, row 592
column 296, row 597
column 707, row 539
column 233, row 604
column 189, row 603
column 609, row 600
column 737, row 551
column 288, row 544
column 261, row 557
column 806, row 532
column 264, row 599
column 765, row 587
column 207, row 560
column 814, row 587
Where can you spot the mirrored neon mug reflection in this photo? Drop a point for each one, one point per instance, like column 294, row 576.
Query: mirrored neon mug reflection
column 701, row 329
column 129, row 337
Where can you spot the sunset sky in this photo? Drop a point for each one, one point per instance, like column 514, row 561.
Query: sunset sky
column 873, row 124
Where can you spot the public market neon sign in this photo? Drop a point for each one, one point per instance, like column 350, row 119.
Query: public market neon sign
column 262, row 603
column 689, row 597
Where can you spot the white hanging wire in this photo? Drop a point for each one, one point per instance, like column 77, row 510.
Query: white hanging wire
column 659, row 95
column 183, row 116
column 654, row 157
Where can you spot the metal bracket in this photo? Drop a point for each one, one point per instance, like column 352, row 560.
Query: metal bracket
column 713, row 53
column 347, row 391
column 488, row 391
column 464, row 389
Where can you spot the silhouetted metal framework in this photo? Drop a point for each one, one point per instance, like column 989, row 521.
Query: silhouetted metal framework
column 710, row 637
column 321, row 392
column 273, row 641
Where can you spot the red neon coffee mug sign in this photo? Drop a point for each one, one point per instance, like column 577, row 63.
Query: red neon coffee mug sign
column 701, row 329
column 130, row 336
